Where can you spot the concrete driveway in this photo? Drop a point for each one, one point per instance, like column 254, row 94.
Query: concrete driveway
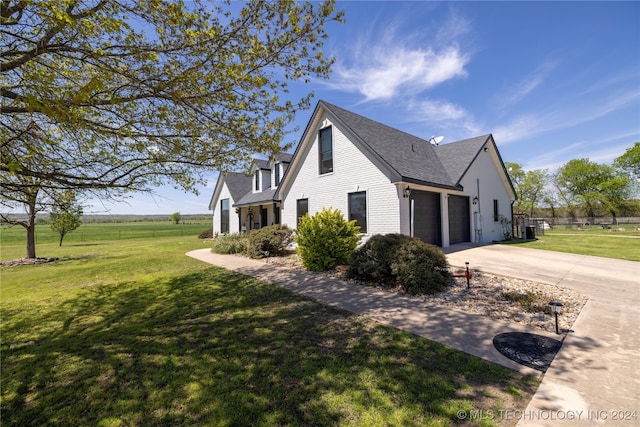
column 595, row 378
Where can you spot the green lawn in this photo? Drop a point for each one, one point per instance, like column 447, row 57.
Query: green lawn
column 92, row 231
column 133, row 332
column 591, row 241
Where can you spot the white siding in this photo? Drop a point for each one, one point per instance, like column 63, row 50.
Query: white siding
column 352, row 171
column 485, row 171
column 233, row 217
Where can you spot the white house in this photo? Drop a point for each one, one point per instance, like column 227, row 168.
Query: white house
column 243, row 202
column 385, row 179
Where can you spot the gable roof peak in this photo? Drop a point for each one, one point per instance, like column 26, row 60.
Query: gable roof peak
column 406, row 157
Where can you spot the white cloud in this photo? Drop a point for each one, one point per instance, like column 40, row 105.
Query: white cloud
column 392, row 69
column 520, row 128
column 518, row 91
column 554, row 159
column 444, row 117
column 439, row 110
column 381, row 65
column 563, row 117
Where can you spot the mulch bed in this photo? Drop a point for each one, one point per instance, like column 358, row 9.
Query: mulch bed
column 27, row 261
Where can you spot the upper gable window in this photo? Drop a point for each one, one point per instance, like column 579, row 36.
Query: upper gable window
column 326, row 150
column 276, row 171
column 257, row 180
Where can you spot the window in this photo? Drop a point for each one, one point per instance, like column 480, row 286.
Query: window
column 224, row 215
column 302, row 208
column 276, row 170
column 257, row 180
column 496, row 214
column 358, row 209
column 326, row 151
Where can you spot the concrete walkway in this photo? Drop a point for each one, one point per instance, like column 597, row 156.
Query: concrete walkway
column 594, row 378
column 463, row 331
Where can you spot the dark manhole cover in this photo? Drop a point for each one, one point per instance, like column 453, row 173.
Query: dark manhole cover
column 534, row 351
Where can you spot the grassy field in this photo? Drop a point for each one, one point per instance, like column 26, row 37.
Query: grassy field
column 591, row 241
column 133, row 332
column 91, row 232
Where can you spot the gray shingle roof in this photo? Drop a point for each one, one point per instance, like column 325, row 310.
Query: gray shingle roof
column 411, row 159
column 284, row 157
column 251, row 198
column 456, row 157
column 239, row 184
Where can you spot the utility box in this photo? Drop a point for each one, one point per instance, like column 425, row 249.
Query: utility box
column 530, row 233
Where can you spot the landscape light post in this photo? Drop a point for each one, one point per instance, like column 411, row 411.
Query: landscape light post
column 467, row 274
column 555, row 309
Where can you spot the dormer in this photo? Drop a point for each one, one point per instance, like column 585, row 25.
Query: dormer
column 261, row 176
column 278, row 166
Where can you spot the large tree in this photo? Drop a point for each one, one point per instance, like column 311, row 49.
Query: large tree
column 113, row 96
column 598, row 187
column 629, row 164
column 529, row 186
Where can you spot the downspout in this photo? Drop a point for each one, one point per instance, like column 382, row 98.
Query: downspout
column 512, row 225
column 479, row 214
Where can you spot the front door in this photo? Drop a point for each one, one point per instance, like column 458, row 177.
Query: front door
column 263, row 217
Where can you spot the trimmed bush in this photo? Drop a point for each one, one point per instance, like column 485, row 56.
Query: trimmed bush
column 400, row 260
column 326, row 240
column 372, row 261
column 421, row 268
column 273, row 239
column 229, row 244
column 206, row 234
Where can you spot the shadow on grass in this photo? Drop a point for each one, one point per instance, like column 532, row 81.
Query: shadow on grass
column 515, row 241
column 214, row 347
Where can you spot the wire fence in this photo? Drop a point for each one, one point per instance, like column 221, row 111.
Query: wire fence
column 44, row 234
column 525, row 227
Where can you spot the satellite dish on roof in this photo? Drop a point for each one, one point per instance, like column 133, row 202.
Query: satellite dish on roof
column 435, row 140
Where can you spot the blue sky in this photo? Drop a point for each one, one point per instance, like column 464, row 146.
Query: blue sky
column 552, row 81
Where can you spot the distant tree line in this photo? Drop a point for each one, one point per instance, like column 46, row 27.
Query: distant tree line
column 580, row 188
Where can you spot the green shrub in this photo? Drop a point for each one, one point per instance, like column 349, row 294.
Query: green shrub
column 400, row 260
column 326, row 240
column 273, row 239
column 206, row 234
column 372, row 261
column 230, row 244
column 421, row 268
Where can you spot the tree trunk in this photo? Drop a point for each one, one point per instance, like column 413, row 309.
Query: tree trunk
column 61, row 237
column 31, row 227
column 31, row 237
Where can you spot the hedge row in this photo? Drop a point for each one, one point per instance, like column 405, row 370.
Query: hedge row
column 259, row 243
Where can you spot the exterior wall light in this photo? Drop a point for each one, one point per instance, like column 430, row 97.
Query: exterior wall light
column 406, row 192
column 475, row 200
column 556, row 307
